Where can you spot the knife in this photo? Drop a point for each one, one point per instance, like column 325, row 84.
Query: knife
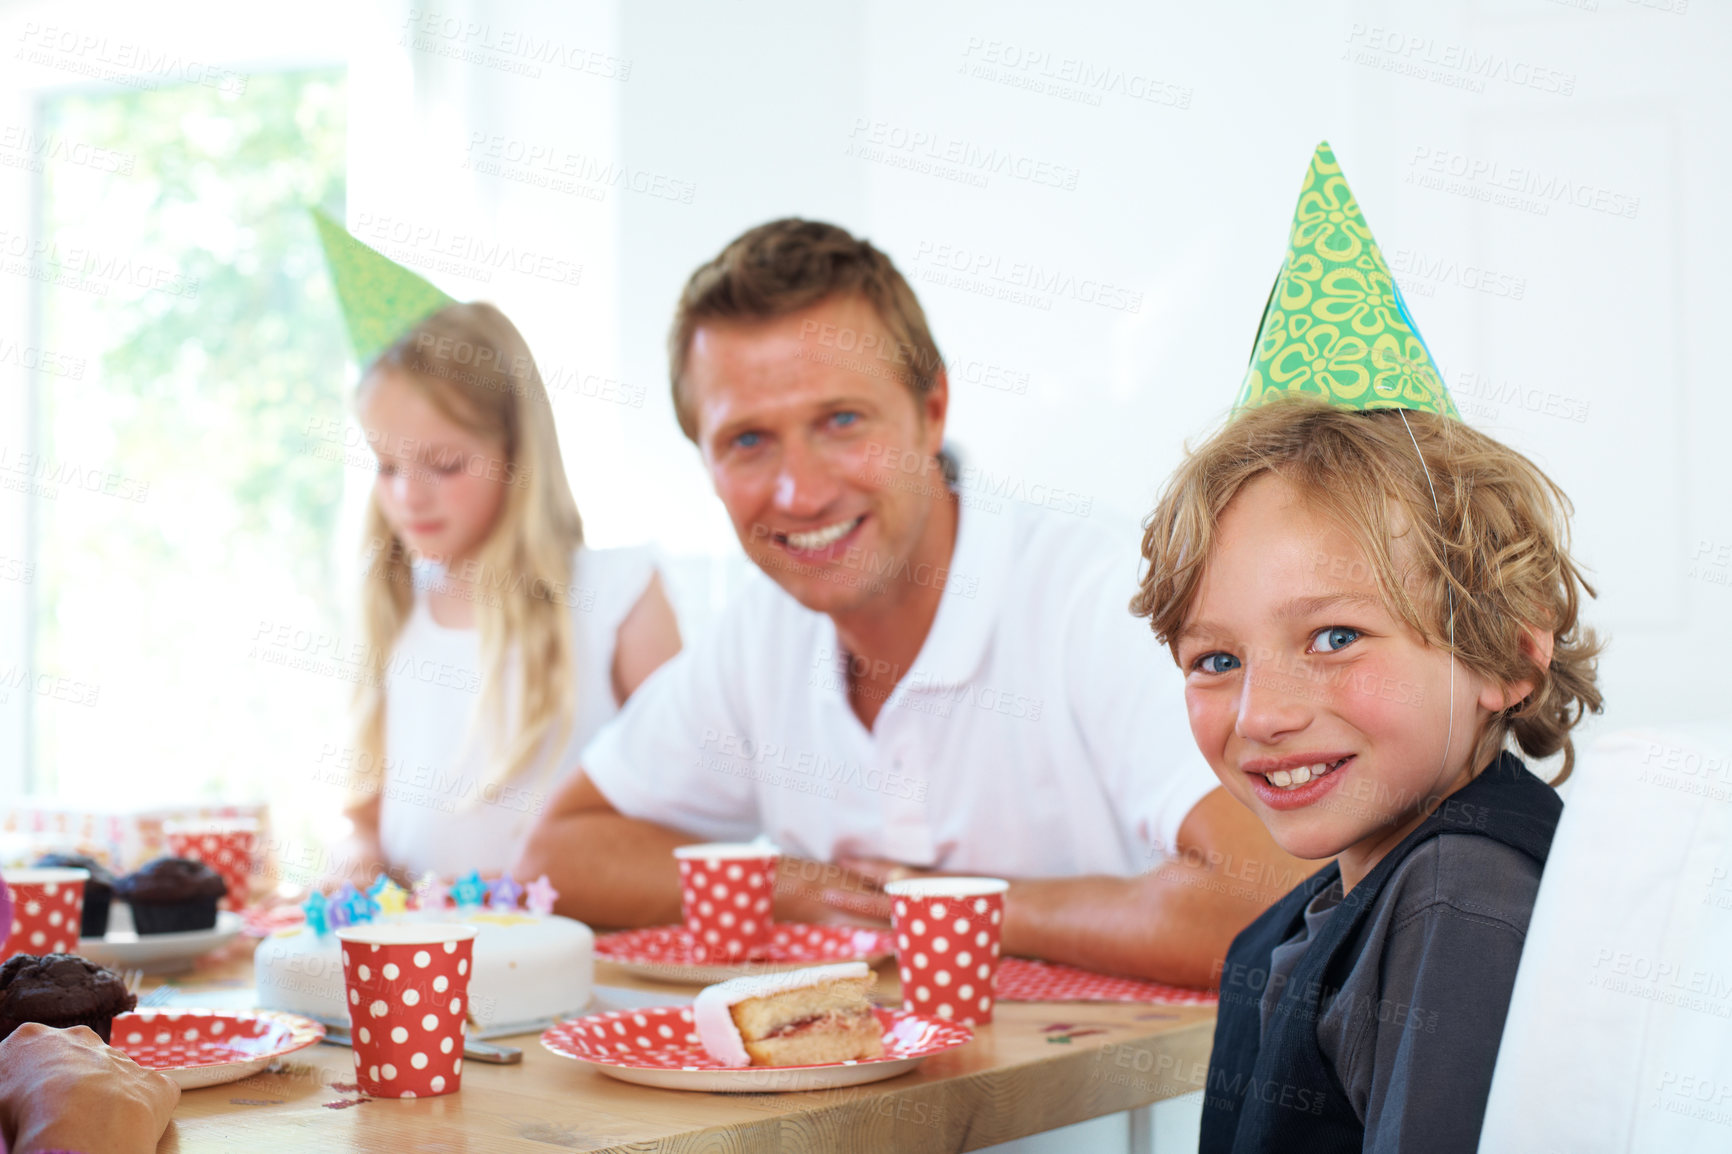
column 473, row 1048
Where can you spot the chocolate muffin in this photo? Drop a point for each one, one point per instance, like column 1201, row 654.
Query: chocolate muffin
column 98, row 889
column 172, row 895
column 60, row 990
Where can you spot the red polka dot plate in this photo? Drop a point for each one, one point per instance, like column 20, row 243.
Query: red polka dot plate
column 664, row 953
column 660, row 1047
column 207, row 1047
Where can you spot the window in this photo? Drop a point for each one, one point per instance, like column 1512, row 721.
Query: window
column 179, row 513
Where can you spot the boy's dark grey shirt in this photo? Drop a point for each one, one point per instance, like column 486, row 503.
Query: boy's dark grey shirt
column 1447, row 932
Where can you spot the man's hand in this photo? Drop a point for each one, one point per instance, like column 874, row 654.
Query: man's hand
column 862, row 894
column 65, row 1090
column 850, row 891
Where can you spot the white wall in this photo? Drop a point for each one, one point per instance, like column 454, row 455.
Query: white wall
column 1584, row 337
column 727, row 115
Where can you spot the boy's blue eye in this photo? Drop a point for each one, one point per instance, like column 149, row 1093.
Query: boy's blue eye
column 1335, row 638
column 1217, row 663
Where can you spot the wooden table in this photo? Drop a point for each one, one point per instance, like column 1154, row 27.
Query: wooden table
column 1036, row 1067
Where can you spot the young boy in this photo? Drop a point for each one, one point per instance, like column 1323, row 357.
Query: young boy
column 1368, row 600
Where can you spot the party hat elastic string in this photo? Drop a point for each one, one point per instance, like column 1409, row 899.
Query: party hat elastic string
column 1448, row 588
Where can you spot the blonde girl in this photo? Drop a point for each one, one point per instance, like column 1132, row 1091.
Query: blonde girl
column 497, row 642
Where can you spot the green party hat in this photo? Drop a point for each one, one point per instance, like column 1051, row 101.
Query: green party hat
column 381, row 299
column 1335, row 325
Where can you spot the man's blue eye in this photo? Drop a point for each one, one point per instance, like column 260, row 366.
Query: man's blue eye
column 747, row 440
column 1335, row 638
column 1217, row 663
column 844, row 419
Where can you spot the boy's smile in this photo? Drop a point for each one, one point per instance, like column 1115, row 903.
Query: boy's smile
column 1317, row 708
column 1296, row 780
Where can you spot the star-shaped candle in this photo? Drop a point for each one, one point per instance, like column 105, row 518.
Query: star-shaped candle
column 314, row 908
column 470, row 891
column 388, row 896
column 340, row 907
column 365, row 908
column 350, row 907
column 502, row 895
column 541, row 897
column 430, row 892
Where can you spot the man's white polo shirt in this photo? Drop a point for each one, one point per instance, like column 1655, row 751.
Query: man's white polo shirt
column 1040, row 733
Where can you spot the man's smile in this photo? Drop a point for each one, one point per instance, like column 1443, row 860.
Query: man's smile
column 817, row 540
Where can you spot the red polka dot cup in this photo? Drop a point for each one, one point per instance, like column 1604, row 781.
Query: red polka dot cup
column 47, row 908
column 726, row 891
column 407, row 985
column 226, row 845
column 947, row 933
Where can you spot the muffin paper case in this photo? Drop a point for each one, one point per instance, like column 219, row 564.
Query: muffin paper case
column 225, row 845
column 947, row 941
column 98, row 889
column 47, row 909
column 726, row 893
column 1336, row 326
column 407, row 985
column 172, row 895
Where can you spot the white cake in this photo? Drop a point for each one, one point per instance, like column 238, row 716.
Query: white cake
column 530, row 970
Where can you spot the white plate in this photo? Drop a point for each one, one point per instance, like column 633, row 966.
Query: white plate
column 160, row 953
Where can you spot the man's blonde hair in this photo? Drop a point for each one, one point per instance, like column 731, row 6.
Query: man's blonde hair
column 473, row 365
column 1498, row 539
column 790, row 264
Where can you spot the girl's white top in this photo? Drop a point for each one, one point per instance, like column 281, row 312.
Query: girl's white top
column 439, row 811
column 712, row 1009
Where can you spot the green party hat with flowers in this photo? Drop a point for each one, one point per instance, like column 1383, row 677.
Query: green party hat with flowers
column 1335, row 325
column 381, row 300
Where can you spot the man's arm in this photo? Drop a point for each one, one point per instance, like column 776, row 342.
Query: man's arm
column 1173, row 924
column 609, row 869
column 613, row 870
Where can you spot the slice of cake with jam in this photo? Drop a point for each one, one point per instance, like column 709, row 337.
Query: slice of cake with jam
column 804, row 1017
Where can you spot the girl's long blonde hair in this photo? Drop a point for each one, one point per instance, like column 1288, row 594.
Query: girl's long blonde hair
column 473, row 365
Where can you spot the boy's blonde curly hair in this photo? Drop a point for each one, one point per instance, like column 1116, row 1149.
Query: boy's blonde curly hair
column 1501, row 543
